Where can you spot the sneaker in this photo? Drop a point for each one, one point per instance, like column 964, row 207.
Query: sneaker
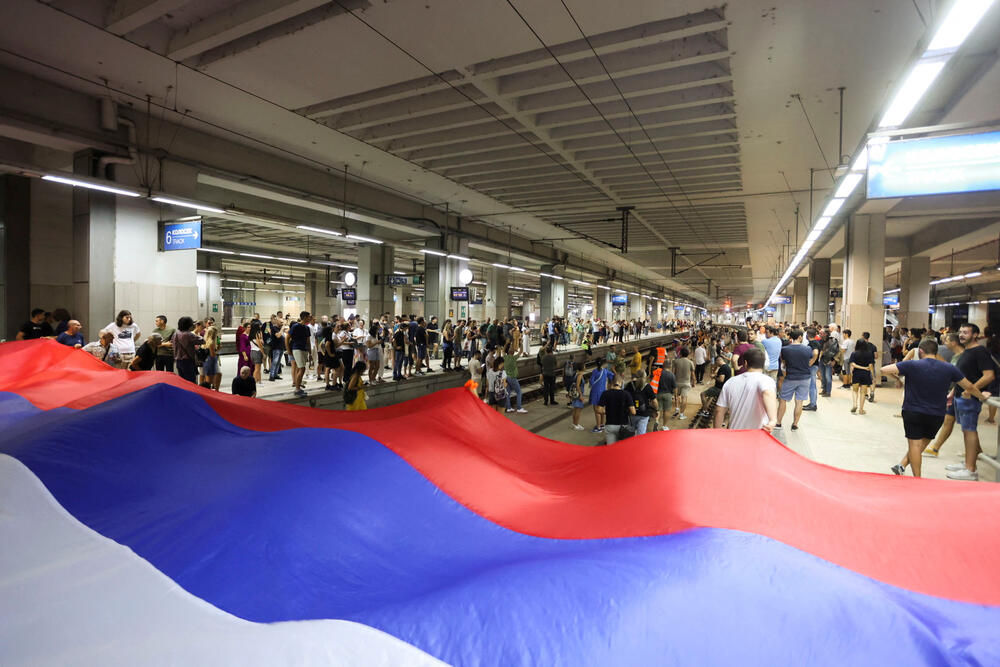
column 964, row 475
column 521, row 411
column 951, row 467
column 681, row 416
column 795, row 427
column 777, row 426
column 300, row 392
column 898, row 469
column 578, row 427
column 596, row 429
column 930, row 453
column 602, row 429
column 509, row 410
column 810, row 408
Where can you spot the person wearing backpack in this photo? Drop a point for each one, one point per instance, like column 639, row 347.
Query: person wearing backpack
column 828, row 356
column 496, row 382
column 569, row 377
column 644, row 401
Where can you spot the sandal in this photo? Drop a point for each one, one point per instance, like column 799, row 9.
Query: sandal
column 862, row 412
column 854, row 411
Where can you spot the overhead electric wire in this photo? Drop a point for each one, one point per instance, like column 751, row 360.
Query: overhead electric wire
column 605, row 119
column 805, row 113
column 638, row 121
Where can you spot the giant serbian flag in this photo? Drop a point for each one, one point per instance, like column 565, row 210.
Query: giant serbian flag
column 146, row 521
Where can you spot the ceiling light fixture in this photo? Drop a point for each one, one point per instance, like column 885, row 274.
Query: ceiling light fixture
column 461, row 258
column 848, row 184
column 91, row 185
column 916, row 84
column 960, row 21
column 432, row 251
column 363, row 239
column 292, row 259
column 250, row 254
column 832, row 208
column 318, row 230
column 217, row 250
column 187, row 204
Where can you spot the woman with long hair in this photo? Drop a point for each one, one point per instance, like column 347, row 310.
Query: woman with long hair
column 243, row 351
column 354, row 395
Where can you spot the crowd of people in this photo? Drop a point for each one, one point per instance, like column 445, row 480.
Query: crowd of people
column 754, row 376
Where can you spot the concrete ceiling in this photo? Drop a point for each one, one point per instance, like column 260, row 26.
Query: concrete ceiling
column 706, row 118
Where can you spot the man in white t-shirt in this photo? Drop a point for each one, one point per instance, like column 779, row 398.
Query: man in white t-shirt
column 750, row 398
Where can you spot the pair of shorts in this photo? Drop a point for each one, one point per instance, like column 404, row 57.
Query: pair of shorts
column 576, row 403
column 683, row 389
column 210, row 366
column 665, row 402
column 421, row 351
column 920, row 425
column 861, row 377
column 300, row 357
column 712, row 392
column 967, row 413
column 256, row 357
column 799, row 389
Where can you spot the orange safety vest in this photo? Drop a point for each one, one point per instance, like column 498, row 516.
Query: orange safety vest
column 661, row 355
column 655, row 382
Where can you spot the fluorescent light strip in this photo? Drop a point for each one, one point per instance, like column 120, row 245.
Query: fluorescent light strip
column 974, row 274
column 516, row 268
column 603, row 287
column 217, row 250
column 431, row 251
column 549, row 275
column 318, row 230
column 206, row 271
column 916, row 84
column 250, row 254
column 187, row 204
column 292, row 259
column 960, row 21
column 90, row 186
column 832, row 208
column 848, row 184
column 582, row 282
column 814, row 235
column 892, row 291
column 823, row 222
column 500, row 266
column 461, row 258
column 363, row 239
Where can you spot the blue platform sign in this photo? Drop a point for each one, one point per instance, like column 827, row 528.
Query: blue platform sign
column 769, row 309
column 935, row 165
column 678, row 307
column 782, row 299
column 181, row 235
column 890, row 300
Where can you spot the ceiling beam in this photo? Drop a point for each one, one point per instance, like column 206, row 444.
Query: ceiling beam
column 128, row 15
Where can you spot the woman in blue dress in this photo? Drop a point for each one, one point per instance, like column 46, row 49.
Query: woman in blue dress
column 598, row 383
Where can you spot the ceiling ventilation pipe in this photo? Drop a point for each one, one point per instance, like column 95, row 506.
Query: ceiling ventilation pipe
column 110, row 120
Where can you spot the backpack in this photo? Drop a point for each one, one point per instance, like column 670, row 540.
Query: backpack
column 638, row 399
column 569, row 371
column 830, row 350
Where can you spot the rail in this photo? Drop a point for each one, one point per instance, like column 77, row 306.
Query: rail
column 991, row 461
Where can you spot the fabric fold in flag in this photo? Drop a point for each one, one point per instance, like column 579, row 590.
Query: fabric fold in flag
column 443, row 525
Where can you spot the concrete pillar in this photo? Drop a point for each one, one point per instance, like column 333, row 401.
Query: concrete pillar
column 93, row 252
column 317, row 290
column 497, row 303
column 915, row 292
column 864, row 274
column 657, row 311
column 375, row 262
column 979, row 315
column 800, row 299
column 940, row 317
column 819, row 292
column 436, row 294
column 15, row 221
column 602, row 304
column 552, row 299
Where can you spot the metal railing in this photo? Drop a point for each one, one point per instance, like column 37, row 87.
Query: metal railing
column 993, row 462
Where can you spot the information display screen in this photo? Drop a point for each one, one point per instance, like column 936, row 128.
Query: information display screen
column 782, row 299
column 395, row 281
column 459, row 293
column 618, row 299
column 934, row 165
column 891, row 300
column 349, row 293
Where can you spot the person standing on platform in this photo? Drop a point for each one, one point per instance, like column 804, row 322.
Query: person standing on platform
column 798, row 359
column 772, row 345
column 513, row 384
column 32, row 329
column 954, row 347
column 979, row 367
column 924, row 397
column 643, row 401
column 164, row 353
column 615, row 407
column 684, row 373
column 126, row 333
column 861, row 366
column 185, row 353
column 700, row 362
column 574, row 389
column 666, row 387
column 548, row 376
column 297, row 345
column 748, row 398
column 598, row 383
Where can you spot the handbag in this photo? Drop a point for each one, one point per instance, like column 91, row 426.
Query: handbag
column 350, row 396
column 625, row 431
